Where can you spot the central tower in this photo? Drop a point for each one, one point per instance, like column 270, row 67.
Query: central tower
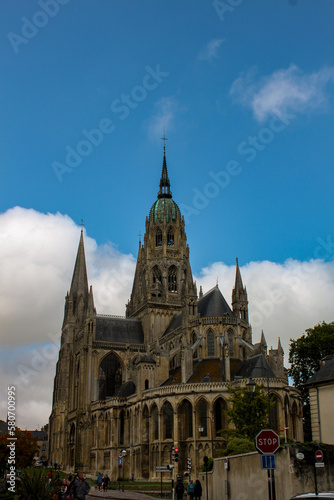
column 163, row 282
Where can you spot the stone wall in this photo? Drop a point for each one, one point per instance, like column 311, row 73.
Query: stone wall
column 247, row 481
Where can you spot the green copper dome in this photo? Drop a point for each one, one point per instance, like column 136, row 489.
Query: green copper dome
column 165, row 208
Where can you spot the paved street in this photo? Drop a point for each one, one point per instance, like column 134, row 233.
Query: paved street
column 120, row 495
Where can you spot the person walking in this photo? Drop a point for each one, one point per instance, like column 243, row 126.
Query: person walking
column 99, row 481
column 105, row 482
column 197, row 490
column 179, row 489
column 190, row 489
column 80, row 488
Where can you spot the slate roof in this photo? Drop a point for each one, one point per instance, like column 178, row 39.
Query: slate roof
column 212, row 304
column 41, row 435
column 126, row 389
column 126, row 330
column 324, row 375
column 147, row 359
column 256, row 367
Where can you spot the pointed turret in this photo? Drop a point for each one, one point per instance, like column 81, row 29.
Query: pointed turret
column 238, row 281
column 263, row 341
column 79, row 285
column 239, row 296
column 76, row 303
column 164, row 191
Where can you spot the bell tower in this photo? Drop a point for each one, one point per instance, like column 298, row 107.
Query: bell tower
column 163, row 282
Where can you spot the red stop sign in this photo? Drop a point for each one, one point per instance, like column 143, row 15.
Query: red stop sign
column 267, row 442
column 319, row 456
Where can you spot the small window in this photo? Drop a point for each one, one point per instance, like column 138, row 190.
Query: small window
column 172, row 279
column 146, row 384
column 170, row 238
column 158, row 238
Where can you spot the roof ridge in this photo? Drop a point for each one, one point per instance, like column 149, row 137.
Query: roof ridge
column 209, row 291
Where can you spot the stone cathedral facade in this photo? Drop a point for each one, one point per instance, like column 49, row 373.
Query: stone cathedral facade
column 158, row 377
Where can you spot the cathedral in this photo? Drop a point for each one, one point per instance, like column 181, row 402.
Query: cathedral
column 158, row 377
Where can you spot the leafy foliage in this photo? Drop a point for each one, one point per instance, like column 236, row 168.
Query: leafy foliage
column 248, row 412
column 25, row 448
column 237, row 446
column 305, row 355
column 34, row 484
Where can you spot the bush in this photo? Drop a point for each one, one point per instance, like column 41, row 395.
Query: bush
column 238, row 446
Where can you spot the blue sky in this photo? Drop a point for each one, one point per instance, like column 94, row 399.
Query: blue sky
column 245, row 94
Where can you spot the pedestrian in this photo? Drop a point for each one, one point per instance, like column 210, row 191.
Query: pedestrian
column 190, row 489
column 70, row 477
column 63, row 494
column 79, row 488
column 105, row 482
column 179, row 489
column 197, row 490
column 99, row 481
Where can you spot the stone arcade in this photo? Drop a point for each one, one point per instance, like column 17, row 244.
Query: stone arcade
column 157, row 377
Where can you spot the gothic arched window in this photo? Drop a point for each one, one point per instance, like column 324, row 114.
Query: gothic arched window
column 172, row 279
column 230, row 342
column 186, row 420
column 167, row 415
column 170, row 238
column 110, row 376
column 211, row 343
column 194, row 339
column 220, row 421
column 203, row 417
column 158, row 238
column 155, row 415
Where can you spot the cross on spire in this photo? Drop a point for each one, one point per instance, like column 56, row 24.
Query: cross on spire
column 164, row 138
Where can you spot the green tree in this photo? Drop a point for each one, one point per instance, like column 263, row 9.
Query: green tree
column 305, row 355
column 25, row 448
column 248, row 412
column 238, row 446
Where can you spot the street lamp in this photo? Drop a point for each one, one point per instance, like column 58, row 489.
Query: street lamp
column 251, row 385
column 201, row 429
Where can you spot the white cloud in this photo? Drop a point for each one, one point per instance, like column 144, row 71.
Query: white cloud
column 290, row 89
column 37, row 255
column 210, row 51
column 165, row 110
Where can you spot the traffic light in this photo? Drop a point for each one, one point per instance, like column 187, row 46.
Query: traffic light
column 188, row 463
column 206, row 460
column 176, row 454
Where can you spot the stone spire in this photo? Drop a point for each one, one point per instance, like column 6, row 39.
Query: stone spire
column 239, row 296
column 79, row 285
column 164, row 191
column 238, row 286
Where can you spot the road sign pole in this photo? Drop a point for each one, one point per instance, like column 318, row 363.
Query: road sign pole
column 269, row 485
column 273, row 484
column 315, row 480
